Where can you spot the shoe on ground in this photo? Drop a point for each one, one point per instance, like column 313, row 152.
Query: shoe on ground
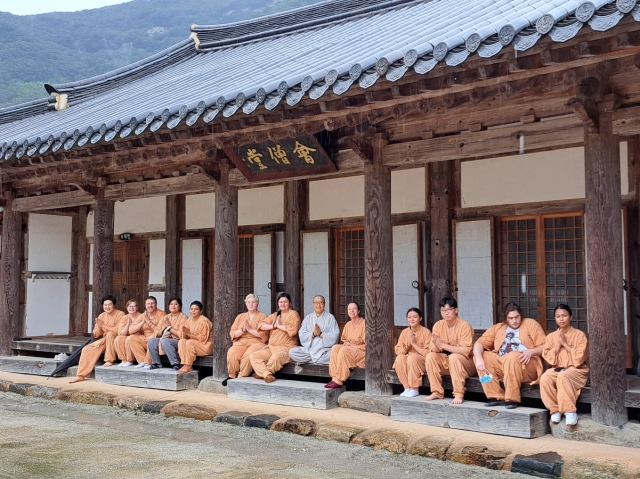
column 510, row 405
column 269, row 378
column 411, row 393
column 556, row 417
column 494, row 402
column 404, row 393
column 571, row 418
column 141, row 365
column 332, row 385
column 125, row 364
column 176, row 367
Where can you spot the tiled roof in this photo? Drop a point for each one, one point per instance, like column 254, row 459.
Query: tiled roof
column 235, row 69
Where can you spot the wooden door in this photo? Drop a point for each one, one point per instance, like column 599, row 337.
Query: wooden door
column 129, row 272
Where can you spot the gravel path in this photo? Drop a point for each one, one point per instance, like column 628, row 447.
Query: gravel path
column 46, row 439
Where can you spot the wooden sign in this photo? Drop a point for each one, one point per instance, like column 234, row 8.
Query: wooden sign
column 286, row 158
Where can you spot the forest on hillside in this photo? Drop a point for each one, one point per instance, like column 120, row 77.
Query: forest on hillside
column 69, row 46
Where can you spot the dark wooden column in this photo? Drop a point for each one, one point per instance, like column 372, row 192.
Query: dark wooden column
column 441, row 197
column 633, row 213
column 172, row 265
column 10, row 317
column 603, row 226
column 225, row 282
column 378, row 279
column 102, row 249
column 294, row 210
column 79, row 269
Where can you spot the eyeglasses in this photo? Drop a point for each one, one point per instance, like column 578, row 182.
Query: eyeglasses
column 318, row 302
column 446, row 310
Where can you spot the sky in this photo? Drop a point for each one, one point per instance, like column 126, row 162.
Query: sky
column 32, row 7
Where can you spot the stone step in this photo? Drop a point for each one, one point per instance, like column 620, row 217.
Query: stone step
column 165, row 378
column 29, row 365
column 285, row 392
column 523, row 422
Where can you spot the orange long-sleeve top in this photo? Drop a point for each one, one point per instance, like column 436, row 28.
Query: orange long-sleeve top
column 460, row 336
column 423, row 340
column 258, row 320
column 578, row 356
column 175, row 320
column 149, row 323
column 289, row 338
column 354, row 334
column 106, row 323
column 200, row 329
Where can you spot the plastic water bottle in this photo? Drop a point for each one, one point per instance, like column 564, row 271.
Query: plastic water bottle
column 486, row 377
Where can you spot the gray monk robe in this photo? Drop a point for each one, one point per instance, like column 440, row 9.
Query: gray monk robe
column 316, row 350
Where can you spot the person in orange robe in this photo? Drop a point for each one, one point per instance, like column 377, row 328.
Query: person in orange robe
column 351, row 353
column 450, row 352
column 247, row 338
column 566, row 350
column 106, row 328
column 196, row 338
column 413, row 346
column 511, row 352
column 131, row 315
column 168, row 332
column 284, row 325
column 140, row 331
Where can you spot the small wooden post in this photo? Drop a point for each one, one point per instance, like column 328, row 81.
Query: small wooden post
column 441, row 198
column 378, row 280
column 10, row 317
column 225, row 283
column 175, row 224
column 102, row 249
column 78, row 281
column 294, row 208
column 603, row 226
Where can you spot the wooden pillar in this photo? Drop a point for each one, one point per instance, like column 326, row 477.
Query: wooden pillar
column 441, row 198
column 10, row 277
column 102, row 250
column 603, row 226
column 172, row 265
column 79, row 268
column 294, row 211
column 633, row 213
column 225, row 283
column 378, row 279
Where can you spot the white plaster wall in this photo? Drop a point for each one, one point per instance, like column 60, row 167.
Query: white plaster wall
column 405, row 271
column 262, row 271
column 473, row 270
column 408, row 190
column 49, row 243
column 546, row 176
column 159, row 295
column 156, row 262
column 200, row 211
column 336, row 198
column 144, row 215
column 191, row 272
column 315, row 269
column 261, row 206
column 47, row 307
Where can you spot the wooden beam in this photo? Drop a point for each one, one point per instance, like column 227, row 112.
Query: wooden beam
column 294, row 194
column 603, row 226
column 626, row 121
column 10, row 277
column 196, row 183
column 66, row 199
column 102, row 250
column 378, row 279
column 79, row 268
column 175, row 224
column 633, row 216
column 225, row 283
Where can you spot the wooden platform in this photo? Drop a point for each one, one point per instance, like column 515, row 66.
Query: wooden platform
column 165, row 378
column 29, row 365
column 53, row 345
column 284, row 392
column 472, row 416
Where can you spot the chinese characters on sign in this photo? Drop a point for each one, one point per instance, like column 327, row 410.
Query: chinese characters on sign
column 285, row 158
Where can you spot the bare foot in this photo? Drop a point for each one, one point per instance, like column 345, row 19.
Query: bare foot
column 185, row 369
column 431, row 397
column 457, row 400
column 107, row 364
column 77, row 379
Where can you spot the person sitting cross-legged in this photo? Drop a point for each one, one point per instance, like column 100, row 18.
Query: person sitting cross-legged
column 319, row 331
column 412, row 347
column 165, row 337
column 351, row 353
column 196, row 338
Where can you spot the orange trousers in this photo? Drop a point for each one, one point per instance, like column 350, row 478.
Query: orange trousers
column 410, row 368
column 91, row 353
column 136, row 346
column 457, row 366
column 511, row 372
column 342, row 360
column 269, row 359
column 238, row 363
column 190, row 349
column 560, row 390
column 120, row 343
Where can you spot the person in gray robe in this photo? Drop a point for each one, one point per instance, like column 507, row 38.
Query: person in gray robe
column 319, row 331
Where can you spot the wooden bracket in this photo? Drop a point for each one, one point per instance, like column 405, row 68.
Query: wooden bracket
column 582, row 111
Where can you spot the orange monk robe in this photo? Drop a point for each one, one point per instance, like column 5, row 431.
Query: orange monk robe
column 136, row 343
column 344, row 358
column 201, row 342
column 458, row 366
column 272, row 357
column 176, row 321
column 560, row 389
column 106, row 328
column 409, row 363
column 243, row 346
column 508, row 368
